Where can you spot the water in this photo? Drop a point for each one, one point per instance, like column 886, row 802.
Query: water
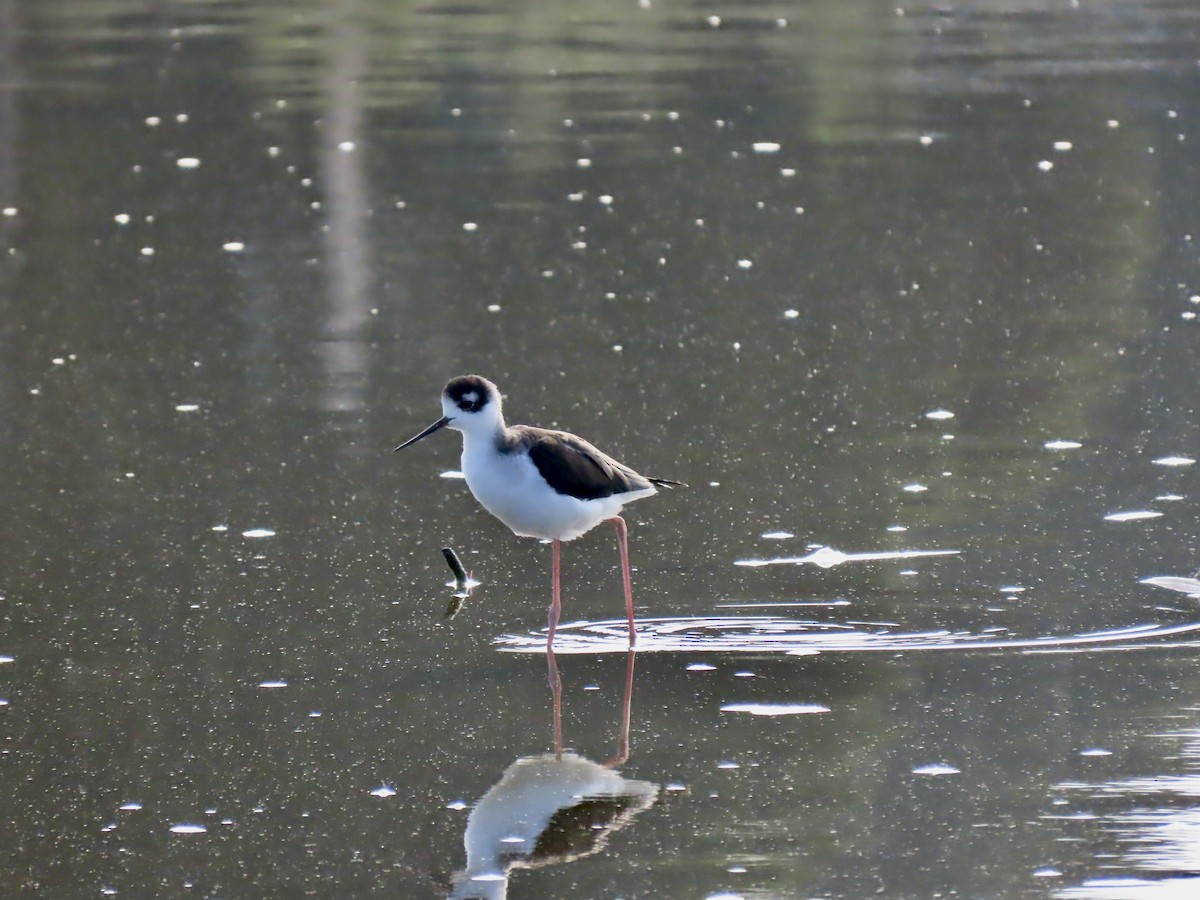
column 907, row 294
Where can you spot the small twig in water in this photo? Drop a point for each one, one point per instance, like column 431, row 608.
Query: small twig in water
column 462, row 582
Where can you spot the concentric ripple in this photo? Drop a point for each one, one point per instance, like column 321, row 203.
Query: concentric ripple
column 794, row 637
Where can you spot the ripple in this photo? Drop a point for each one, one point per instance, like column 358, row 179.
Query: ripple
column 1134, row 516
column 796, row 637
column 1189, row 586
column 775, row 709
column 828, row 557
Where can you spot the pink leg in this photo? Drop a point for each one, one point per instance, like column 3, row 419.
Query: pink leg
column 555, row 593
column 623, row 546
column 556, row 694
column 626, row 704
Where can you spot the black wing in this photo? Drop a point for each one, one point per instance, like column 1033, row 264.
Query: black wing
column 574, row 467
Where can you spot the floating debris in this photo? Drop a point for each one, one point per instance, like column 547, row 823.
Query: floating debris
column 463, row 583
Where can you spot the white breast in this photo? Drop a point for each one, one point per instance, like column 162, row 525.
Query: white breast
column 509, row 486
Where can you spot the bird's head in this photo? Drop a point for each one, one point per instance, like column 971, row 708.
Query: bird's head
column 470, row 403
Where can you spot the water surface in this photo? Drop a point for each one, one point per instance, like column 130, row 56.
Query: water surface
column 907, row 294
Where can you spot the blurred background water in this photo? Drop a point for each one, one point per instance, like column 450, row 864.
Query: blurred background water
column 870, row 277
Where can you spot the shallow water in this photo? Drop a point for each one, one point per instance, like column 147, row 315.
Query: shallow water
column 908, row 296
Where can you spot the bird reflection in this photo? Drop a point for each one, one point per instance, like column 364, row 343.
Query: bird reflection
column 552, row 808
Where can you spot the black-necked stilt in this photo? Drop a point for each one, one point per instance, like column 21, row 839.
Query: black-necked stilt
column 540, row 483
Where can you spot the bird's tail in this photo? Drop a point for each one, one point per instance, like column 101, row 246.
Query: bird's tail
column 666, row 482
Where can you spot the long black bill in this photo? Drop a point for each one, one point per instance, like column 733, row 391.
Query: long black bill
column 436, row 426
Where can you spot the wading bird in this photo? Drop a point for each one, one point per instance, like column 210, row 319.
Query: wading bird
column 546, row 484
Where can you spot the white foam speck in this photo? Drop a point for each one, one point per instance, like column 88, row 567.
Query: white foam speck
column 220, row 528
column 187, row 828
column 745, row 263
column 121, row 218
column 1062, row 445
column 1173, row 461
column 775, row 709
column 700, row 667
column 897, row 528
column 1046, row 873
column 1045, row 165
column 915, row 488
column 188, row 162
column 1133, row 516
column 347, row 146
column 383, row 791
column 457, row 804
column 936, row 769
column 791, row 313
column 186, row 407
column 258, row 533
column 147, row 251
column 728, row 765
column 131, row 805
column 6, row 659
column 766, row 147
column 470, row 226
column 233, row 246
column 939, row 414
column 452, row 473
column 776, row 535
column 276, row 683
column 1063, row 146
column 605, row 199
column 1095, row 751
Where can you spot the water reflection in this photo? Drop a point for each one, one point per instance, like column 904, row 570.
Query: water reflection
column 553, row 808
column 1156, row 834
column 848, row 267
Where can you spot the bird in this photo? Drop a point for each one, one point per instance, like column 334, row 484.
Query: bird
column 545, row 809
column 541, row 483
